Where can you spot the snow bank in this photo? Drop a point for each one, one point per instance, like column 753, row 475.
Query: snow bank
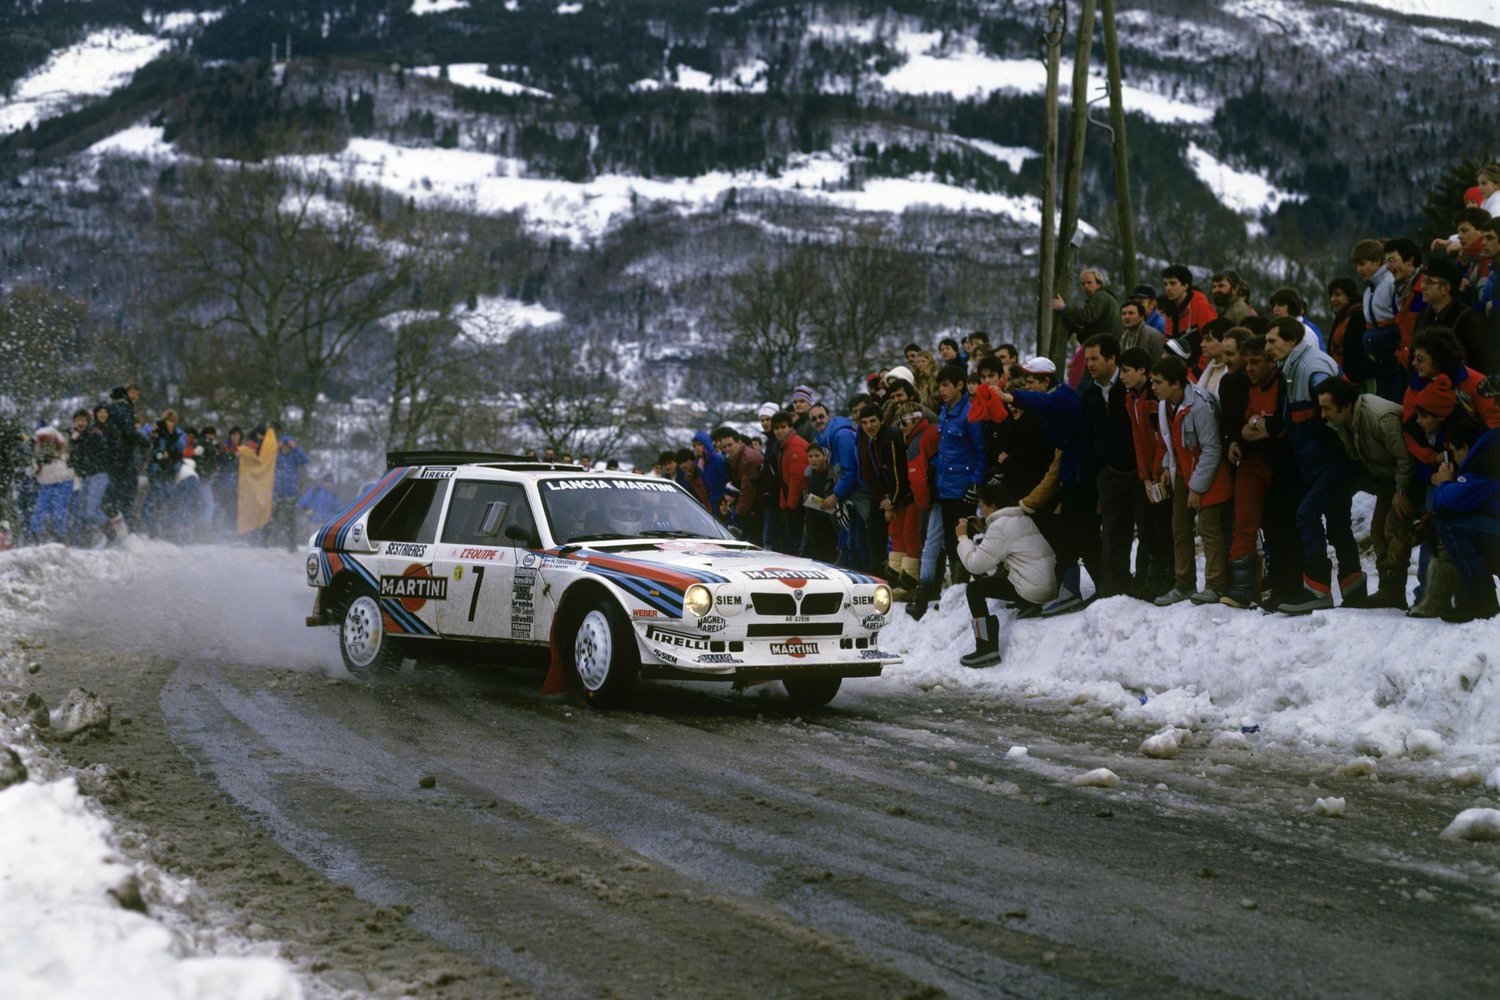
column 62, row 932
column 1346, row 680
column 66, row 923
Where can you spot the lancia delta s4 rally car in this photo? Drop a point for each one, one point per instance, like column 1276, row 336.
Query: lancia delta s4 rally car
column 622, row 576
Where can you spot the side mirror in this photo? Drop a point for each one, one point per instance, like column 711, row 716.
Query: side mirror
column 516, row 533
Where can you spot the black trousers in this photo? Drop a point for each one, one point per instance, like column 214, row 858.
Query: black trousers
column 1119, row 493
column 979, row 590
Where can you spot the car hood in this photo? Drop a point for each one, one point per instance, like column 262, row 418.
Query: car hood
column 725, row 564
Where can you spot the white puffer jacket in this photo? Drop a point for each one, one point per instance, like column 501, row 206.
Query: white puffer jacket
column 1011, row 538
column 51, row 453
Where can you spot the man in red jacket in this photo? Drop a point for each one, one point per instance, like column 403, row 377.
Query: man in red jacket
column 1185, row 309
column 793, row 475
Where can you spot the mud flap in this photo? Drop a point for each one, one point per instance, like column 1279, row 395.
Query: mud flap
column 556, row 681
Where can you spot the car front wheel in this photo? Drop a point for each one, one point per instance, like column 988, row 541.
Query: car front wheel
column 813, row 691
column 602, row 658
column 368, row 651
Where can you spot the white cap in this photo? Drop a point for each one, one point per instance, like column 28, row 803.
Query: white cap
column 768, row 410
column 903, row 373
column 1040, row 366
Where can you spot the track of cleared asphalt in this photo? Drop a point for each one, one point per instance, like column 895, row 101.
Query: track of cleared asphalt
column 700, row 844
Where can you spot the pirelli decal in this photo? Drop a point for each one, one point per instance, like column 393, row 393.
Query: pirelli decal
column 423, row 588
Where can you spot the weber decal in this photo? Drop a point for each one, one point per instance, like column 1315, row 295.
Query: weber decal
column 796, row 648
column 666, row 638
column 411, row 550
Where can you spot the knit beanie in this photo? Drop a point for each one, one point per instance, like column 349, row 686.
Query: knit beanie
column 1437, row 397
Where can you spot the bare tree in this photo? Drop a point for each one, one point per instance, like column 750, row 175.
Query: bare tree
column 768, row 312
column 873, row 295
column 572, row 397
column 43, row 337
column 284, row 279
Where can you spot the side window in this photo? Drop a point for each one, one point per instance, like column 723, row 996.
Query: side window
column 409, row 512
column 482, row 511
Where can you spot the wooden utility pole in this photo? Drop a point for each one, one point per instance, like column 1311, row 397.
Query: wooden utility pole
column 1124, row 214
column 1077, row 133
column 1046, row 266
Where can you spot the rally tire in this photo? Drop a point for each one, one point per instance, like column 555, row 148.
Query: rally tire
column 813, row 690
column 601, row 655
column 369, row 652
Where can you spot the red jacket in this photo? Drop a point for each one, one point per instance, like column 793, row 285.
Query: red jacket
column 1196, row 313
column 921, row 448
column 793, row 471
column 986, row 404
column 1222, row 487
column 1483, row 406
column 1143, row 431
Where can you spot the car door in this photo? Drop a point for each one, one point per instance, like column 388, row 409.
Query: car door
column 484, row 554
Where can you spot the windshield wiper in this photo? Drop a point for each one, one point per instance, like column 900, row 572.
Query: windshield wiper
column 669, row 533
column 596, row 537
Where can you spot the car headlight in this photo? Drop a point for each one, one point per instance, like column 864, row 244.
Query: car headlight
column 698, row 600
column 882, row 599
column 312, row 569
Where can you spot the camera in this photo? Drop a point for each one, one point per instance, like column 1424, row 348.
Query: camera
column 975, row 525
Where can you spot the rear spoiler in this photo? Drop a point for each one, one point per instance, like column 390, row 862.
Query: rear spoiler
column 397, row 459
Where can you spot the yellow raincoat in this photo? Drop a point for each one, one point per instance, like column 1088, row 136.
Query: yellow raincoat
column 257, row 477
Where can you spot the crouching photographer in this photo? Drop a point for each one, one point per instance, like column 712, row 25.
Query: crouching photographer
column 1008, row 560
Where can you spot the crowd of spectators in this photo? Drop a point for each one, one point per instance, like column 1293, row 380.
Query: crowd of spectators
column 1185, row 421
column 116, row 470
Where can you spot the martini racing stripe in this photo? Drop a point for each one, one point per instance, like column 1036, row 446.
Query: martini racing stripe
column 680, row 577
column 407, row 621
column 857, row 577
column 331, row 535
column 666, row 600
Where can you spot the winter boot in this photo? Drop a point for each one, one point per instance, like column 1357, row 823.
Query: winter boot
column 1317, row 596
column 1241, row 583
column 1442, row 585
column 986, row 643
column 1354, row 590
column 1391, row 593
column 1472, row 607
column 920, row 598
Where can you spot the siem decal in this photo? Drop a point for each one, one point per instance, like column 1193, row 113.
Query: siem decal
column 712, row 623
column 794, row 647
column 415, row 587
column 666, row 638
column 478, row 553
column 859, row 599
column 664, row 657
column 729, row 601
column 412, row 550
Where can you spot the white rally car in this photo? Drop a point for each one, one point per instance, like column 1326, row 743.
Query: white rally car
column 623, row 576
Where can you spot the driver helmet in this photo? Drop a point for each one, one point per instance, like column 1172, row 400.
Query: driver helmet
column 628, row 513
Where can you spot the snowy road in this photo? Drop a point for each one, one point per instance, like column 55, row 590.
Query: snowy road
column 707, row 844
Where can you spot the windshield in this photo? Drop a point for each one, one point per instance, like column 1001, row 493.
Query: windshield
column 592, row 509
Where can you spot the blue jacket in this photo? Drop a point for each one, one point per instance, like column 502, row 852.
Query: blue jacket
column 841, row 441
column 1061, row 414
column 715, row 469
column 323, row 502
column 1476, row 490
column 960, row 454
column 288, row 469
column 166, row 452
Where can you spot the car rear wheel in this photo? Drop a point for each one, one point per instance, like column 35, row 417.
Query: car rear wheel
column 602, row 659
column 812, row 691
column 368, row 651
